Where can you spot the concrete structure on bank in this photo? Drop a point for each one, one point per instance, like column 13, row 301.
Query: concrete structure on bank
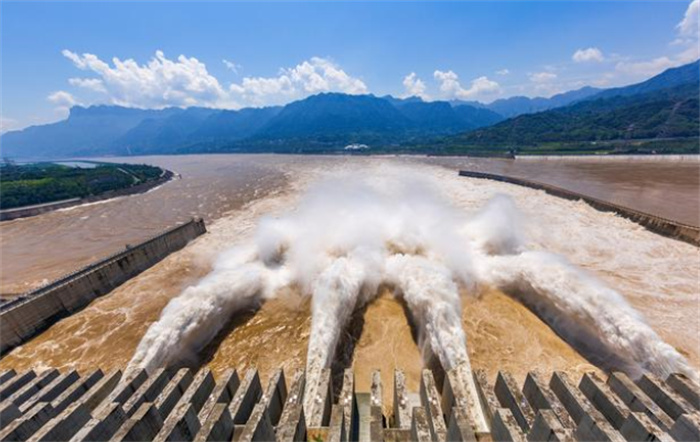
column 182, row 405
column 662, row 226
column 28, row 314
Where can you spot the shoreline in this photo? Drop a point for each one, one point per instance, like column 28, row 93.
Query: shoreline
column 38, row 209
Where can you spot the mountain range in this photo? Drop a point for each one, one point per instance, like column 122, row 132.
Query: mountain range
column 663, row 107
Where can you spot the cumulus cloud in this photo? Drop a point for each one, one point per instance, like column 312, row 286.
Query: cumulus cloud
column 588, row 55
column 645, row 68
column 503, row 72
column 414, row 86
column 543, row 77
column 307, row 78
column 689, row 25
column 452, row 88
column 185, row 81
column 159, row 83
column 62, row 98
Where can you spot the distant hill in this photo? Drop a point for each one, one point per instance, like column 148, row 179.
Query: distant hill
column 514, row 106
column 662, row 107
column 320, row 122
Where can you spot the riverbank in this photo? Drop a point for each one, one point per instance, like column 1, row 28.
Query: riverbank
column 37, row 209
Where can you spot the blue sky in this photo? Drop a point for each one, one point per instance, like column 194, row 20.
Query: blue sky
column 232, row 55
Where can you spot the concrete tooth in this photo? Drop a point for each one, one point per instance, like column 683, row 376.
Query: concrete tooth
column 126, row 387
column 639, row 427
column 182, row 424
column 420, row 430
column 84, row 384
column 376, row 414
column 349, row 403
column 199, row 390
column 637, row 400
column 148, row 391
column 607, row 402
column 15, row 383
column 505, row 428
column 245, row 398
column 665, row 397
column 686, row 388
column 456, row 392
column 431, row 402
column 486, row 395
column 52, row 390
column 510, row 397
column 32, row 387
column 218, row 426
column 8, row 413
column 320, row 414
column 275, row 396
column 686, row 428
column 376, row 391
column 590, row 423
column 461, row 428
column 104, row 424
column 290, row 428
column 259, row 427
column 223, row 391
column 6, row 375
column 142, row 425
column 169, row 397
column 65, row 425
column 548, row 427
column 402, row 411
column 540, row 397
column 336, row 430
column 23, row 428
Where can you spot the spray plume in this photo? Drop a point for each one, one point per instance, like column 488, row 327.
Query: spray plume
column 348, row 236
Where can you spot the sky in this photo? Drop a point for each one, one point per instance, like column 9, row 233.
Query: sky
column 54, row 55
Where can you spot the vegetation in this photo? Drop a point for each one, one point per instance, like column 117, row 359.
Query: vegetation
column 28, row 184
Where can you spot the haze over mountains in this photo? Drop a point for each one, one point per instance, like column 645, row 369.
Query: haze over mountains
column 661, row 108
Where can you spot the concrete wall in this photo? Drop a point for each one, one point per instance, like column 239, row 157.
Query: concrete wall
column 28, row 314
column 662, row 226
column 23, row 212
column 181, row 405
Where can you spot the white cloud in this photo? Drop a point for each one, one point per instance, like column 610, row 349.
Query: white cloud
column 588, row 55
column 503, row 72
column 414, row 86
column 231, row 66
column 307, row 78
column 689, row 25
column 543, row 77
column 94, row 84
column 62, row 98
column 159, row 83
column 451, row 87
column 185, row 81
column 8, row 124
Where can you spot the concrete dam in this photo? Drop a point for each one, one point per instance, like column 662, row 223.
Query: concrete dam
column 662, row 226
column 28, row 314
column 170, row 405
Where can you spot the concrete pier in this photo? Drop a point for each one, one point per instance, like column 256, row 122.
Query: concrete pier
column 182, row 405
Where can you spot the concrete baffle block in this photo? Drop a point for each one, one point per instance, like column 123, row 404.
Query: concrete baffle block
column 336, row 430
column 640, row 427
column 246, row 397
column 688, row 389
column 79, row 388
column 402, row 412
column 320, row 413
column 223, row 391
column 547, row 427
column 460, row 427
column 510, row 397
column 637, row 400
column 15, row 383
column 103, row 425
column 540, row 397
column 173, row 391
column 505, row 427
column 347, row 399
column 275, row 396
column 420, row 430
column 20, row 429
column 143, row 425
column 52, row 390
column 181, row 424
column 673, row 404
column 603, row 398
column 487, row 397
column 289, row 427
column 686, row 428
column 259, row 427
column 148, row 391
column 218, row 426
column 431, row 402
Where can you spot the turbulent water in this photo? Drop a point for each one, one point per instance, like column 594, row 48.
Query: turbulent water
column 479, row 272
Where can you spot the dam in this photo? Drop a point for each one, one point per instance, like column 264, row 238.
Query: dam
column 28, row 314
column 183, row 405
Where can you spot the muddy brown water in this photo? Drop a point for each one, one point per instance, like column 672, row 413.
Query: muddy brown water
column 233, row 191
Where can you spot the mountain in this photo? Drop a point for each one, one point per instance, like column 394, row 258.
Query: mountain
column 514, row 106
column 660, row 108
column 86, row 131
